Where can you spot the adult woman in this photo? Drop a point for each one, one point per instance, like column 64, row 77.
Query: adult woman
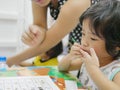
column 66, row 21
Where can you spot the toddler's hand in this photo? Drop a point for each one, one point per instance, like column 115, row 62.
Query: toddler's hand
column 75, row 50
column 34, row 36
column 90, row 58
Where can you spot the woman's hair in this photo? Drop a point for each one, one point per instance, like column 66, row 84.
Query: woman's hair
column 105, row 22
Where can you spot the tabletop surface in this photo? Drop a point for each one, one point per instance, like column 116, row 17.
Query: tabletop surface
column 52, row 71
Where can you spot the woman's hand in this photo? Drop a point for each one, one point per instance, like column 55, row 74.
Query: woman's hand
column 33, row 36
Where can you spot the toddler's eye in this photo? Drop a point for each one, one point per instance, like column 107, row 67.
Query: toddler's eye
column 93, row 39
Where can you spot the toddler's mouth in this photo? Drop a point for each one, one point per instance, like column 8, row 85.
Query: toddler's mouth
column 85, row 49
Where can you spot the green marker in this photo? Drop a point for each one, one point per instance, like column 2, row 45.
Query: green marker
column 73, row 40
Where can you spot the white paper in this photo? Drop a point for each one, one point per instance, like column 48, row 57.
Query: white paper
column 71, row 85
column 27, row 83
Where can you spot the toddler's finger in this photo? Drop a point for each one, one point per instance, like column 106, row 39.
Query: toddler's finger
column 85, row 54
column 93, row 53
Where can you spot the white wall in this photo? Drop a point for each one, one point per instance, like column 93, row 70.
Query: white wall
column 15, row 18
column 11, row 26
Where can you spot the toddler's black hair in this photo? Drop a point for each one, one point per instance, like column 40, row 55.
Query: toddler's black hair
column 105, row 22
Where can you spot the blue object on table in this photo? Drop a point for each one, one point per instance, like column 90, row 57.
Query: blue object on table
column 3, row 64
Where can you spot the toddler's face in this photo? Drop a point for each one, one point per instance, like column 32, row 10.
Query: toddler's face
column 42, row 3
column 90, row 40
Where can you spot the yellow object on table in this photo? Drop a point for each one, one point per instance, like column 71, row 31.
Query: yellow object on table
column 51, row 62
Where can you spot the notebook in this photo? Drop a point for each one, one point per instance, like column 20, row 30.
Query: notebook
column 27, row 83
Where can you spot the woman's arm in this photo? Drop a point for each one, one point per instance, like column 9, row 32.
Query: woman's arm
column 39, row 15
column 36, row 32
column 66, row 22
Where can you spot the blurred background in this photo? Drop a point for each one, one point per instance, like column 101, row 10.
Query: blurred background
column 15, row 17
column 13, row 21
